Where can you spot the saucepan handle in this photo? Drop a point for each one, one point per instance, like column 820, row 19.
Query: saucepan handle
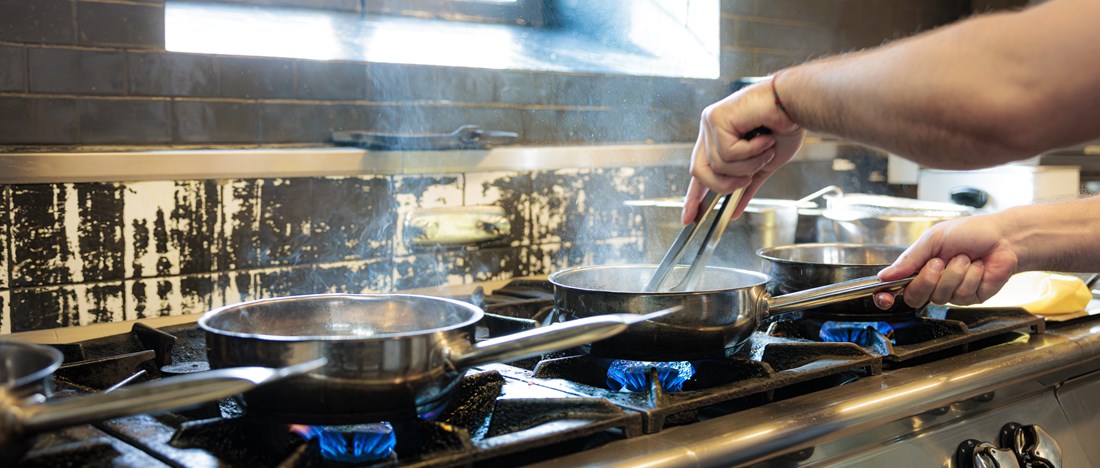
column 158, row 395
column 556, row 337
column 833, row 293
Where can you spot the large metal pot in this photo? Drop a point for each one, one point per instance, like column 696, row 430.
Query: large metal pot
column 717, row 317
column 766, row 222
column 803, row 266
column 390, row 356
column 880, row 219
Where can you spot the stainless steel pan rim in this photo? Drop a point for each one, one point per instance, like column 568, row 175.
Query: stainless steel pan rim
column 215, row 320
column 47, row 358
column 786, row 254
column 573, row 278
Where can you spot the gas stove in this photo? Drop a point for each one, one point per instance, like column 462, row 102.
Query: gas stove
column 920, row 392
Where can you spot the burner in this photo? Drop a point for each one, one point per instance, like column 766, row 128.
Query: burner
column 860, row 333
column 357, row 443
column 633, row 376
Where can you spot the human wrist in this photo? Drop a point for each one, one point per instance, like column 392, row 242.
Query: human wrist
column 779, row 88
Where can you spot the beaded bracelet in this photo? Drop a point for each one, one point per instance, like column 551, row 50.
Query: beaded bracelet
column 775, row 94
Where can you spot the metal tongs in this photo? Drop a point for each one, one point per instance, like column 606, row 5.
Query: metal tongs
column 712, row 219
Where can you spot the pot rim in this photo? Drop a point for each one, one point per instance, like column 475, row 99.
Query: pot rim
column 769, row 253
column 476, row 314
column 555, row 279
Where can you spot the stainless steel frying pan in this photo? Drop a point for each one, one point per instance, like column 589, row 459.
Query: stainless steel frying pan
column 718, row 315
column 389, row 355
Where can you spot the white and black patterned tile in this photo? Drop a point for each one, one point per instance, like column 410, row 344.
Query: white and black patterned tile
column 285, row 229
column 5, row 233
column 239, row 221
column 175, row 295
column 358, row 277
column 66, row 306
column 422, row 191
column 66, row 233
column 5, row 312
column 508, row 190
column 352, row 218
column 451, row 267
column 171, row 227
column 583, row 207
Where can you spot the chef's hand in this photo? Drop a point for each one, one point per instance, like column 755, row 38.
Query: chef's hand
column 723, row 161
column 963, row 261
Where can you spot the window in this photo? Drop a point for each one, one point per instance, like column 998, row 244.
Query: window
column 636, row 37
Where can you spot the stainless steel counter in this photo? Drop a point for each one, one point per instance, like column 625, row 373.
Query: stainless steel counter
column 846, row 424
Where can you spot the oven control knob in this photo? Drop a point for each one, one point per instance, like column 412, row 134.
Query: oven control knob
column 976, row 454
column 1035, row 447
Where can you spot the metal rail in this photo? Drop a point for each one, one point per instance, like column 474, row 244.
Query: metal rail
column 788, row 426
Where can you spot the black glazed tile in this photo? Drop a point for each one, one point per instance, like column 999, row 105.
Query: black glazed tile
column 172, row 74
column 398, row 82
column 417, row 119
column 529, row 87
column 250, row 78
column 285, row 230
column 325, row 80
column 785, row 36
column 76, row 71
column 172, row 227
column 39, row 21
column 124, row 122
column 67, row 306
column 215, row 122
column 42, row 251
column 13, row 68
column 352, row 218
column 37, row 121
column 294, row 123
column 109, row 24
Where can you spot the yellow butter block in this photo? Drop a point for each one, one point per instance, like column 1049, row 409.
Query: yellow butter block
column 1042, row 293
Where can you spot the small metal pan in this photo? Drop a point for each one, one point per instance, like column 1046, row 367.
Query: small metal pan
column 717, row 318
column 803, row 266
column 26, row 371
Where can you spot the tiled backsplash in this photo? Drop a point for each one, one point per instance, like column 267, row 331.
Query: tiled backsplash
column 83, row 253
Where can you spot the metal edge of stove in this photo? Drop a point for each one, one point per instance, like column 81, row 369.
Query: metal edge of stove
column 1027, row 366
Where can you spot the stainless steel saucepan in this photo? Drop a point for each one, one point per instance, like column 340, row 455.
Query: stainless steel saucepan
column 798, row 267
column 718, row 315
column 389, row 355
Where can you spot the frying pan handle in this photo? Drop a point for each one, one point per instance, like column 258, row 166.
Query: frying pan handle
column 158, row 395
column 556, row 337
column 833, row 293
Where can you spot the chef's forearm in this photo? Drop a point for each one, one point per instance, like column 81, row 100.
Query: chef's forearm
column 1057, row 236
column 985, row 91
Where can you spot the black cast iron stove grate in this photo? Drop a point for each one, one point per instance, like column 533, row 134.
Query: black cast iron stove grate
column 934, row 333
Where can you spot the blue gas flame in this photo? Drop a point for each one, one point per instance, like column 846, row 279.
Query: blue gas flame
column 630, row 376
column 860, row 333
column 356, row 443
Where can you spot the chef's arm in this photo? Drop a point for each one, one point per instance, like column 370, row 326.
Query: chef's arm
column 988, row 90
column 967, row 260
